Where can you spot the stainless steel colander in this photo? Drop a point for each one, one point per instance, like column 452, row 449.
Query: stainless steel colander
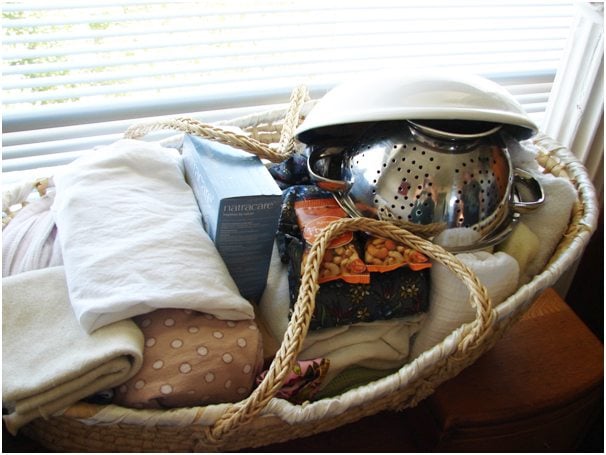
column 442, row 173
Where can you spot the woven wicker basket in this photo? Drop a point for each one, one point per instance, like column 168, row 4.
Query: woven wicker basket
column 262, row 419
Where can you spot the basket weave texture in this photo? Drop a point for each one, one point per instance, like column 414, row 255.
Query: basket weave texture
column 262, row 419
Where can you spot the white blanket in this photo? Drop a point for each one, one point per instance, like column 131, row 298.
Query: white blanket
column 132, row 238
column 48, row 361
column 448, row 297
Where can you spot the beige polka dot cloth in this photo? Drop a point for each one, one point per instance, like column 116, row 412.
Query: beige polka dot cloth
column 193, row 359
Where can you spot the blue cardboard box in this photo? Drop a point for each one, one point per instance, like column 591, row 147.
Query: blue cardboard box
column 240, row 205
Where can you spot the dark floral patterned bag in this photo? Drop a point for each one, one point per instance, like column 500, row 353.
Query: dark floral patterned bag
column 398, row 292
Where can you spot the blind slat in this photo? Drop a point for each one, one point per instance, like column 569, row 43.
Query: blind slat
column 534, row 52
column 197, row 10
column 543, row 28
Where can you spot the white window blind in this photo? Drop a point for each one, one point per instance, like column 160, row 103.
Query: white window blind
column 76, row 74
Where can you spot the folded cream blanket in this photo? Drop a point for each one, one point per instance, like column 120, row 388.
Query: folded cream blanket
column 379, row 345
column 48, row 361
column 448, row 298
column 132, row 238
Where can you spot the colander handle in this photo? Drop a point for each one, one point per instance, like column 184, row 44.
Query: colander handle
column 528, row 192
column 322, row 181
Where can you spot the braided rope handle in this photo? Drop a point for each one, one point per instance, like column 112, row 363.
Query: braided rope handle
column 191, row 126
column 243, row 412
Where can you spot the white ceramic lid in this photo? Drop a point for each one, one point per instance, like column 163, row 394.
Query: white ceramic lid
column 415, row 96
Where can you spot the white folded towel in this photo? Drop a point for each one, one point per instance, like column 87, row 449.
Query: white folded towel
column 448, row 297
column 378, row 344
column 132, row 238
column 48, row 361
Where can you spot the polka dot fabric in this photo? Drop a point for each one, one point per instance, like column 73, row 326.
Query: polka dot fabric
column 193, row 359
